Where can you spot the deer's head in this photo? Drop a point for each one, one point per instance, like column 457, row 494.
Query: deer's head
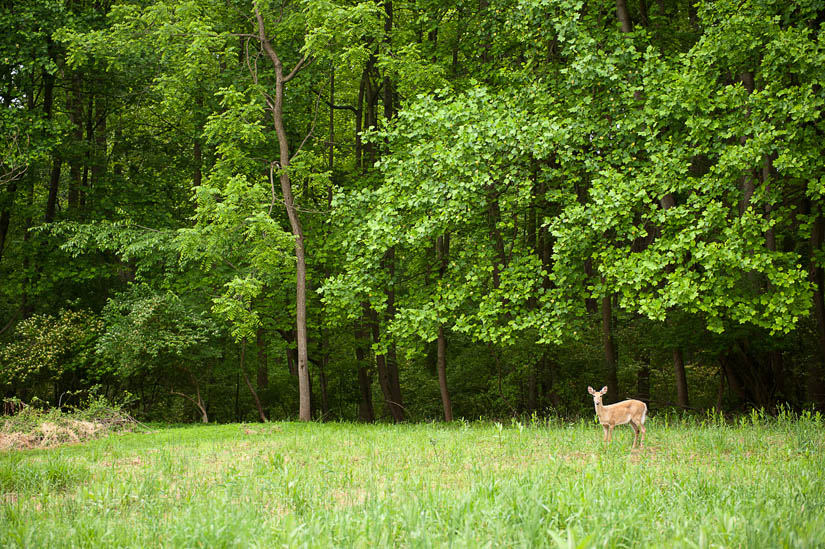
column 597, row 395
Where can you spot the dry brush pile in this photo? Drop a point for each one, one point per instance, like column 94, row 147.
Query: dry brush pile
column 25, row 426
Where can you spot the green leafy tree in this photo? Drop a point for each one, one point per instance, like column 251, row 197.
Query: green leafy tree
column 159, row 334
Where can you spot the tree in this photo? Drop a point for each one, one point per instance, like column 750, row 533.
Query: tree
column 157, row 333
column 276, row 106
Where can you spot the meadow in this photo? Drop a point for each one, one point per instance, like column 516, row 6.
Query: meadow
column 699, row 482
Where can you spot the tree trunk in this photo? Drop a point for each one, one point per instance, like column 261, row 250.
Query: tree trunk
column 533, row 385
column 276, row 107
column 493, row 218
column 733, row 380
column 643, row 13
column 486, row 38
column 748, row 179
column 257, row 400
column 370, row 114
column 359, row 116
column 775, row 355
column 197, row 148
column 99, row 145
column 720, row 390
column 75, row 112
column 389, row 114
column 197, row 161
column 816, row 371
column 643, row 384
column 54, row 178
column 262, row 372
column 29, row 284
column 443, row 247
column 365, row 408
column 291, row 354
column 199, row 404
column 389, row 109
column 54, row 182
column 693, row 16
column 254, row 393
column 322, row 382
column 85, row 186
column 456, row 44
column 624, row 20
column 681, row 378
column 238, row 397
column 393, row 406
column 5, row 215
column 393, row 376
column 532, row 302
column 442, row 375
column 331, row 158
column 609, row 349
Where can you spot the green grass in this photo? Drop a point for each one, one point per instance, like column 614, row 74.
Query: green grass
column 755, row 483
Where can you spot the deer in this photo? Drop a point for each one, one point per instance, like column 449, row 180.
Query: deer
column 627, row 411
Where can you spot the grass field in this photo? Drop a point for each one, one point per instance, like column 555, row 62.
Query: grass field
column 757, row 482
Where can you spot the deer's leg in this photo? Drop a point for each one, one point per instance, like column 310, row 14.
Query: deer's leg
column 635, row 434
column 643, row 430
column 605, row 433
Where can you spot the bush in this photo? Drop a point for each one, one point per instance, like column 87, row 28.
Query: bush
column 47, row 348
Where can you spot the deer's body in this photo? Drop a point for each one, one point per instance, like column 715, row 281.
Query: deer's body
column 633, row 412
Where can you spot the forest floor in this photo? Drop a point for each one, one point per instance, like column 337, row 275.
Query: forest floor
column 755, row 482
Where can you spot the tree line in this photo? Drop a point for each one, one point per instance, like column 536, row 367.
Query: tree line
column 400, row 210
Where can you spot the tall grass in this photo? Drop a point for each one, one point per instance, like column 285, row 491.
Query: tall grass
column 755, row 482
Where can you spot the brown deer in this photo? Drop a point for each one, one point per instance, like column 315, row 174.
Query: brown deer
column 627, row 411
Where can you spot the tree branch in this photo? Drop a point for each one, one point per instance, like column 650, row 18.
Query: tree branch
column 339, row 107
column 267, row 46
column 301, row 64
column 252, row 71
column 11, row 321
column 311, row 129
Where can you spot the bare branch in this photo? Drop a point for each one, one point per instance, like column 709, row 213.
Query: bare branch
column 13, row 173
column 253, row 72
column 148, row 228
column 187, row 397
column 311, row 129
column 270, row 102
column 11, row 321
column 10, row 170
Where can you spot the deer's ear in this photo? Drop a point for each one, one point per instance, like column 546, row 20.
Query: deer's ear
column 604, row 390
column 590, row 390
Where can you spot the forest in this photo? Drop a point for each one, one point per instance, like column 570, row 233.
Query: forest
column 412, row 210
